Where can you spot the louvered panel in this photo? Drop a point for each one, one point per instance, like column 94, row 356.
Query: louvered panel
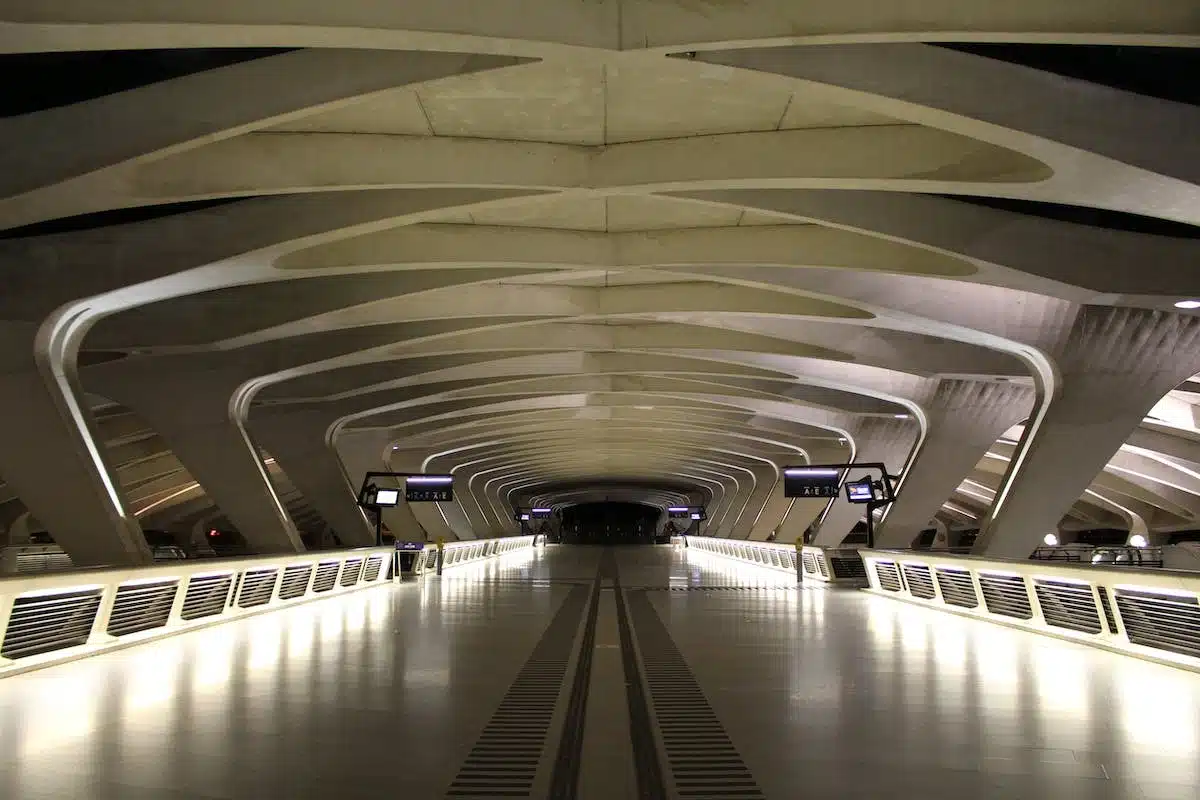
column 848, row 567
column 957, row 587
column 43, row 623
column 326, row 578
column 371, row 571
column 257, row 587
column 1068, row 605
column 1163, row 621
column 295, row 581
column 206, row 595
column 351, row 570
column 920, row 581
column 888, row 576
column 1006, row 595
column 142, row 607
column 810, row 563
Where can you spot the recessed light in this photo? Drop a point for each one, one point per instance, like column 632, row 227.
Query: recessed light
column 1188, row 304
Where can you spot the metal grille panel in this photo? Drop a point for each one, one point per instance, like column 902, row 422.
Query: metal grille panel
column 1068, row 605
column 351, row 570
column 1006, row 595
column 1162, row 621
column 371, row 571
column 326, row 579
column 889, row 576
column 141, row 607
column 823, row 568
column 702, row 760
column 44, row 623
column 206, row 595
column 257, row 587
column 295, row 581
column 504, row 761
column 848, row 567
column 920, row 581
column 810, row 563
column 957, row 587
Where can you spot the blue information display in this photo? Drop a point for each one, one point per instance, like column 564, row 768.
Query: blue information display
column 410, row 546
column 429, row 488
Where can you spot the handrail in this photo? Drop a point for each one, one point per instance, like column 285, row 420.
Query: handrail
column 769, row 555
column 57, row 616
column 50, row 617
column 1149, row 613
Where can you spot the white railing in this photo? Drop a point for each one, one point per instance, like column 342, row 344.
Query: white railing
column 771, row 555
column 54, row 617
column 458, row 554
column 1147, row 613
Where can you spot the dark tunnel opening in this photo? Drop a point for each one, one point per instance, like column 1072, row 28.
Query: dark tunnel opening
column 609, row 523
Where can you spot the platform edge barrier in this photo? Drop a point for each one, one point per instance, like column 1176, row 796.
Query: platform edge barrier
column 1149, row 614
column 473, row 551
column 768, row 555
column 43, row 617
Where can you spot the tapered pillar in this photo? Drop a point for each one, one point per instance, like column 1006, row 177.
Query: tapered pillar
column 53, row 461
column 189, row 408
column 965, row 419
column 1115, row 366
column 296, row 440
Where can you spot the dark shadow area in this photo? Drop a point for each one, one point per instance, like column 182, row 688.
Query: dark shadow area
column 1085, row 215
column 115, row 216
column 59, row 79
column 1168, row 73
column 609, row 523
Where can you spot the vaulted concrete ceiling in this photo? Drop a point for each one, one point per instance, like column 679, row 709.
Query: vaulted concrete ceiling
column 625, row 248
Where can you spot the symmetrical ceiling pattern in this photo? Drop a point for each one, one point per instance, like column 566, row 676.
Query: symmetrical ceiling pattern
column 637, row 249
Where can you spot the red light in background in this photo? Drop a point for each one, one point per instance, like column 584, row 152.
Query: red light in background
column 214, row 533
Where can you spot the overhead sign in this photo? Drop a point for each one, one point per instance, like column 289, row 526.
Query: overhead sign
column 429, row 488
column 409, row 546
column 811, row 482
column 541, row 513
column 678, row 512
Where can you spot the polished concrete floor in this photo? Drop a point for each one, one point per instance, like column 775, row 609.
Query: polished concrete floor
column 384, row 693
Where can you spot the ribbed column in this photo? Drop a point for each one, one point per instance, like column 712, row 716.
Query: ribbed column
column 296, row 440
column 1115, row 365
column 965, row 419
column 188, row 405
column 53, row 461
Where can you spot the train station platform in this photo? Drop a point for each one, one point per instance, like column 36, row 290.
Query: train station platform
column 602, row 673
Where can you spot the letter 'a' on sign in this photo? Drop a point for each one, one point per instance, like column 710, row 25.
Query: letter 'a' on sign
column 429, row 488
column 813, row 482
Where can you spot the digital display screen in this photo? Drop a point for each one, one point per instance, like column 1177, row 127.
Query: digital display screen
column 696, row 515
column 541, row 512
column 818, row 482
column 678, row 513
column 860, row 492
column 387, row 497
column 524, row 518
column 429, row 488
column 410, row 545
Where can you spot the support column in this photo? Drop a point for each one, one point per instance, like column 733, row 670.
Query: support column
column 965, row 420
column 1115, row 365
column 362, row 452
column 889, row 441
column 189, row 407
column 296, row 439
column 52, row 458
